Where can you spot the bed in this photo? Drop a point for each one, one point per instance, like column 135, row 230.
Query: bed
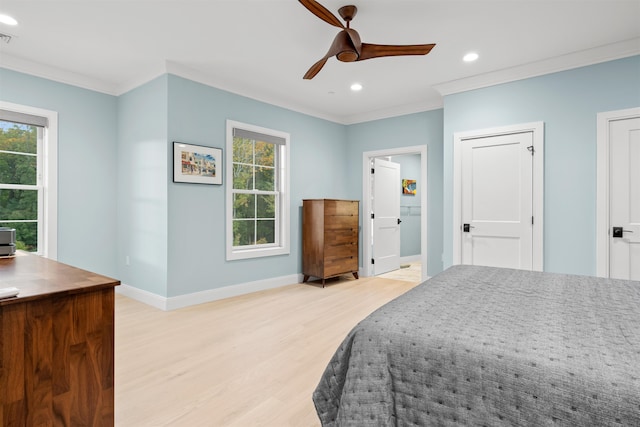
column 487, row 346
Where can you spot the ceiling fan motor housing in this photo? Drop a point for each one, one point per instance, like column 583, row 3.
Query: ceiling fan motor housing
column 347, row 52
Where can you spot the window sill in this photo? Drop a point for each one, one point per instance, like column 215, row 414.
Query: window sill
column 237, row 254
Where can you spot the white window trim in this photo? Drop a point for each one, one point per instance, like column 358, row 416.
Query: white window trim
column 284, row 205
column 50, row 176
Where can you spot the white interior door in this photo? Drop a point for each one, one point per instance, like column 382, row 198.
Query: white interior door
column 624, row 190
column 386, row 216
column 497, row 208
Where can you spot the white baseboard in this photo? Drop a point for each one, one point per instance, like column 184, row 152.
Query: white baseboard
column 187, row 300
column 410, row 259
column 145, row 297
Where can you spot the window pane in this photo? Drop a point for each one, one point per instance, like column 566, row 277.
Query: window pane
column 265, row 154
column 266, row 206
column 244, row 206
column 244, row 232
column 242, row 150
column 242, row 177
column 18, row 204
column 266, row 231
column 18, row 138
column 265, row 179
column 26, row 235
column 18, row 169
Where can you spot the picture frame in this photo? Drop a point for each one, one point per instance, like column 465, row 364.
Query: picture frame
column 409, row 187
column 197, row 164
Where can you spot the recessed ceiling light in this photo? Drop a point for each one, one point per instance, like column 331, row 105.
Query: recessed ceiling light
column 470, row 57
column 356, row 87
column 6, row 19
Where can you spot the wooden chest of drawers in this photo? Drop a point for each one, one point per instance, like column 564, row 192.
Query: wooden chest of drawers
column 329, row 238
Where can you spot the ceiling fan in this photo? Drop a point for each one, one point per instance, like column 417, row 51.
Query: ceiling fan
column 347, row 46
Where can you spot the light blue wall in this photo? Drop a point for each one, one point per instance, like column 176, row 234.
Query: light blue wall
column 142, row 186
column 409, row 206
column 410, row 130
column 567, row 102
column 196, row 213
column 117, row 198
column 87, row 166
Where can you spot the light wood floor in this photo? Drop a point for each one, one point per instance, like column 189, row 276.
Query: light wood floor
column 252, row 360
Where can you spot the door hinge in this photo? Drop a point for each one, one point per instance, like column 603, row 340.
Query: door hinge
column 373, row 171
column 531, row 220
column 531, row 149
column 373, row 216
column 373, row 261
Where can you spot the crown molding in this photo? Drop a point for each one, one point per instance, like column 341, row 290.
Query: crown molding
column 44, row 71
column 395, row 111
column 569, row 61
column 238, row 89
column 180, row 70
column 582, row 58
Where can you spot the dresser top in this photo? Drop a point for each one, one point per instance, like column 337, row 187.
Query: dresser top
column 332, row 200
column 37, row 278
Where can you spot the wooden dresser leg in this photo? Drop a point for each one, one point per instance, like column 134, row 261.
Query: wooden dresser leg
column 305, row 278
column 355, row 274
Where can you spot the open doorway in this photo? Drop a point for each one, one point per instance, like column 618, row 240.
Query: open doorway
column 415, row 211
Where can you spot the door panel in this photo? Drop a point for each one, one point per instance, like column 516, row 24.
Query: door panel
column 497, row 179
column 496, row 251
column 386, row 209
column 624, row 149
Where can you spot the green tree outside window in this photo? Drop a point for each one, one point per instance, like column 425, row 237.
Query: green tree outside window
column 18, row 166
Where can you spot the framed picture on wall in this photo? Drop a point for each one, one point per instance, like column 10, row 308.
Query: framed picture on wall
column 196, row 164
column 409, row 187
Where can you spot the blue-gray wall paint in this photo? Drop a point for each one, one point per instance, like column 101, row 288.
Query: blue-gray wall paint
column 405, row 131
column 567, row 102
column 197, row 115
column 117, row 198
column 142, row 186
column 87, row 166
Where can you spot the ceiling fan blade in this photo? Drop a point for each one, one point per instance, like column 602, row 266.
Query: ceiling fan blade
column 315, row 68
column 340, row 44
column 321, row 12
column 377, row 50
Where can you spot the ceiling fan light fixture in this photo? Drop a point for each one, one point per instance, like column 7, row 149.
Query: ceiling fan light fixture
column 356, row 87
column 8, row 20
column 470, row 57
column 347, row 56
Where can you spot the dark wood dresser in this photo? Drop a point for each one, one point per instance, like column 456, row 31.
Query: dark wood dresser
column 329, row 238
column 56, row 345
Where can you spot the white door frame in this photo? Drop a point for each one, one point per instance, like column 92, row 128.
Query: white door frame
column 538, row 185
column 367, row 156
column 604, row 120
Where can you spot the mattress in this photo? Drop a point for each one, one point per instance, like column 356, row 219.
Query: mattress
column 487, row 346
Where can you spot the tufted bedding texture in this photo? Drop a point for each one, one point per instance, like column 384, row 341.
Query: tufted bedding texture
column 483, row 346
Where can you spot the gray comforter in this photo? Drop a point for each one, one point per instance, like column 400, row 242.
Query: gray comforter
column 486, row 346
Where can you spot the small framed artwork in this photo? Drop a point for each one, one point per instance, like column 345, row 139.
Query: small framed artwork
column 196, row 164
column 409, row 186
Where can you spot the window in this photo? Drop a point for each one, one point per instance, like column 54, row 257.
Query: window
column 27, row 180
column 257, row 191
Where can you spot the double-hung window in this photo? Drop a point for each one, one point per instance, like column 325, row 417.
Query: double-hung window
column 27, row 190
column 257, row 191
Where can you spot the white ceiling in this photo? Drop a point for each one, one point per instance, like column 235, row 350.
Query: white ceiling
column 262, row 48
